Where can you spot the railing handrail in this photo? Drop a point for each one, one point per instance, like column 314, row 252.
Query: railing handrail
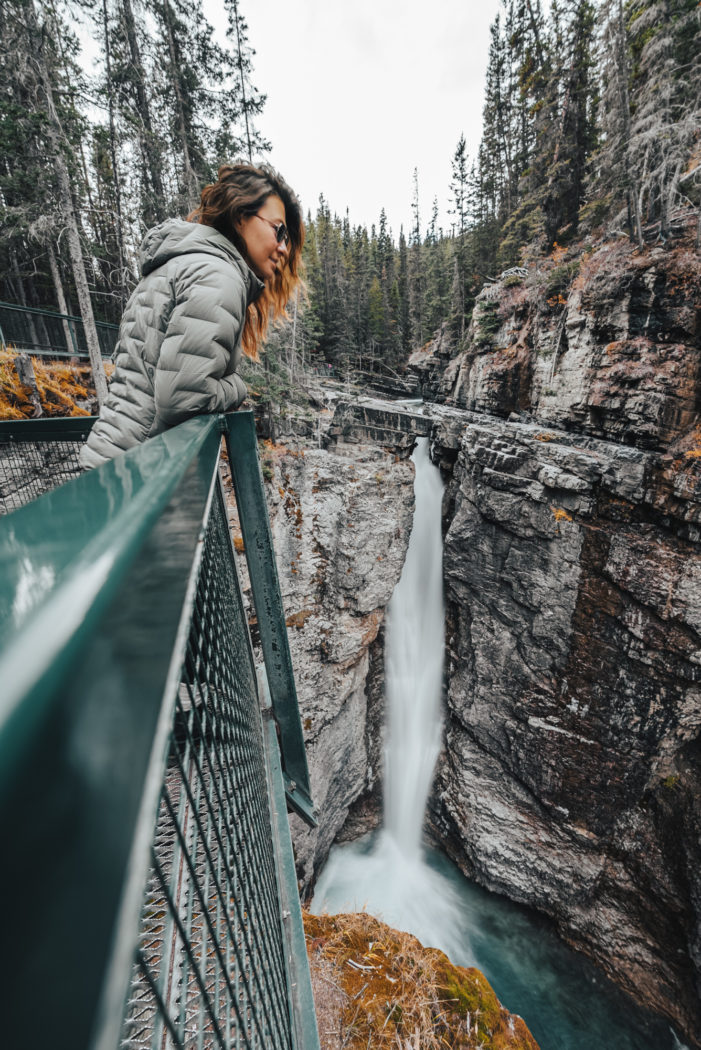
column 80, row 569
column 50, row 428
column 242, row 448
column 63, row 603
column 39, row 312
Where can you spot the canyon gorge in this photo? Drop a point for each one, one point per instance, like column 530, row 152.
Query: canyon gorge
column 565, row 422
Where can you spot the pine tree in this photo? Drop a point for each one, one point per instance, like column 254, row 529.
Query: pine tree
column 403, row 292
column 613, row 173
column 459, row 210
column 48, row 76
column 133, row 102
column 575, row 123
column 438, row 274
column 246, row 103
column 665, row 42
column 416, row 271
column 183, row 95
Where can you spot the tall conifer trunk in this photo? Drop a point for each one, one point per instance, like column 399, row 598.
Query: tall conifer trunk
column 57, row 143
column 68, row 332
column 622, row 76
column 118, row 224
column 21, row 295
column 190, row 180
column 156, row 210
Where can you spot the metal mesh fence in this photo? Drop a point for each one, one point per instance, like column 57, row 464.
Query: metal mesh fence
column 30, row 468
column 210, row 968
column 51, row 334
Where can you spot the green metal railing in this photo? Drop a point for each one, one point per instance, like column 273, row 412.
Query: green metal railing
column 129, row 703
column 49, row 334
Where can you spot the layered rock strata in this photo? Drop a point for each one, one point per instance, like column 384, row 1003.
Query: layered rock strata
column 571, row 771
column 605, row 342
column 570, row 775
column 341, row 521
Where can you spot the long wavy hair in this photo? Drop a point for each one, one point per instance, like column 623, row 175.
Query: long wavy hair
column 240, row 191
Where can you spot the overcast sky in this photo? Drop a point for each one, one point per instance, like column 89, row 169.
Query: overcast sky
column 361, row 92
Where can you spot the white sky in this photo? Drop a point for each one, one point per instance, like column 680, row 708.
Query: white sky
column 361, row 92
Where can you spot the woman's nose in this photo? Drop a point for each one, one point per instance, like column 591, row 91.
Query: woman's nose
column 283, row 246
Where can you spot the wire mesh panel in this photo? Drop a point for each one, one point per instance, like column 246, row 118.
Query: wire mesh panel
column 50, row 334
column 210, row 968
column 32, row 463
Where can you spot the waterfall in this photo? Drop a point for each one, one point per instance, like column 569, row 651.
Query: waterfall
column 390, row 877
column 414, row 665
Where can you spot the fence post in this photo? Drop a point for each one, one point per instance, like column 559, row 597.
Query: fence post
column 242, row 447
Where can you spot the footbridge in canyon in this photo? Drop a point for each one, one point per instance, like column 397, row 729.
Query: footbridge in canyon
column 147, row 763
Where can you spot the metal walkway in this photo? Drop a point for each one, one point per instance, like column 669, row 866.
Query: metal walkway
column 148, row 876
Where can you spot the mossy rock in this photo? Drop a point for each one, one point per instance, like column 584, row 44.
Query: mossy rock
column 391, row 991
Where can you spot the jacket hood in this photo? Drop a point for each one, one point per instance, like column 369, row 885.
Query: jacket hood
column 176, row 237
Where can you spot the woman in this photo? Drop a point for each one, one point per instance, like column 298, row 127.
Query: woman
column 209, row 286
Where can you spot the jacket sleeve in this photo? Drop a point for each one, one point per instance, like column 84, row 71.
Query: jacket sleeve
column 195, row 371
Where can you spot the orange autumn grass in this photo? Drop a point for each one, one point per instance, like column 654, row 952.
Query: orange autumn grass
column 375, row 986
column 60, row 386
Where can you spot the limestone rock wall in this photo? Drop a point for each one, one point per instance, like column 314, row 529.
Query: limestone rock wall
column 571, row 770
column 569, row 432
column 605, row 342
column 341, row 521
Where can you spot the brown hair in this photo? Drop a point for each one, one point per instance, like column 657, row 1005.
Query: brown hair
column 240, row 191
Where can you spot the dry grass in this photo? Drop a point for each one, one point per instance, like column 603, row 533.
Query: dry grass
column 60, row 386
column 375, row 987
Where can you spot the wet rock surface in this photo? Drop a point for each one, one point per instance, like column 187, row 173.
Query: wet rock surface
column 569, row 779
column 570, row 775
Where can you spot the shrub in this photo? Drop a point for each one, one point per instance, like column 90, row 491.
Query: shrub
column 559, row 279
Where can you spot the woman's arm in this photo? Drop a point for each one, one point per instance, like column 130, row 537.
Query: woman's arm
column 198, row 348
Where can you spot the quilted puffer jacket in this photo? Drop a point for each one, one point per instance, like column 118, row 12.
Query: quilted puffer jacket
column 180, row 338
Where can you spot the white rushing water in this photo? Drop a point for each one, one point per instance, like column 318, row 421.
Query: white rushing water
column 414, row 647
column 390, row 878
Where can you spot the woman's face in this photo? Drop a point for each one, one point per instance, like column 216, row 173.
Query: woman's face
column 265, row 254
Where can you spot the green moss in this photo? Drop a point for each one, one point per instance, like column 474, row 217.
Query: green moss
column 469, row 992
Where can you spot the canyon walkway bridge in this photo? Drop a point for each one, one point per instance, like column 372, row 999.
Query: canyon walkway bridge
column 147, row 765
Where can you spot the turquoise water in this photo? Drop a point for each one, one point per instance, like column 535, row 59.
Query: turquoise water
column 567, row 1003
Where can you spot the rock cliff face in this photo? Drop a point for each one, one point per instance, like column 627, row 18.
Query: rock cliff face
column 571, row 773
column 570, row 777
column 569, row 436
column 341, row 521
column 606, row 343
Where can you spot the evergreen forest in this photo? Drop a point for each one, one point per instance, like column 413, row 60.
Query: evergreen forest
column 591, row 127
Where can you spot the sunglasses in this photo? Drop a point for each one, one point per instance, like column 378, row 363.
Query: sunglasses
column 281, row 233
